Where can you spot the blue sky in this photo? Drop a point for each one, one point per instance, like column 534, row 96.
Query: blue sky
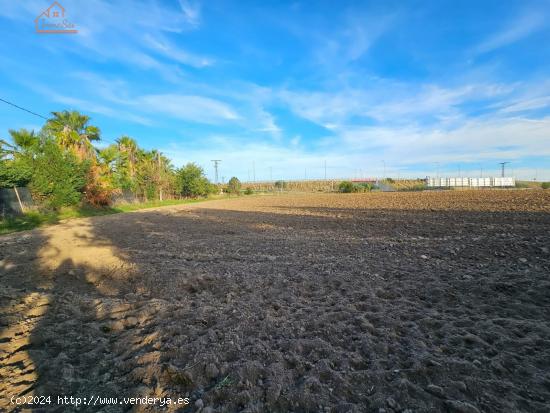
column 280, row 88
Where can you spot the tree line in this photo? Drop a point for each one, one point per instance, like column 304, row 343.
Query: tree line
column 62, row 167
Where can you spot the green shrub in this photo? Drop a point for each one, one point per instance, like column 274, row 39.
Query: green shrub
column 520, row 184
column 234, row 186
column 58, row 176
column 280, row 184
column 346, row 187
column 193, row 183
column 366, row 186
column 212, row 189
column 248, row 191
column 418, row 187
column 17, row 172
column 545, row 185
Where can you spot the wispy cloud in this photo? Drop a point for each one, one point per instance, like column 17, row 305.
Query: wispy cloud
column 528, row 105
column 267, row 124
column 359, row 150
column 172, row 52
column 191, row 11
column 113, row 32
column 87, row 106
column 186, row 107
column 525, row 25
column 353, row 39
column 389, row 102
column 470, row 142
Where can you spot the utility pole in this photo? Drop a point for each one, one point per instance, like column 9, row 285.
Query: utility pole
column 502, row 165
column 216, row 162
column 325, row 170
column 254, row 171
column 384, row 162
column 270, row 174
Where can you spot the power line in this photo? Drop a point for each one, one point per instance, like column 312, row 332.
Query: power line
column 40, row 116
column 21, row 108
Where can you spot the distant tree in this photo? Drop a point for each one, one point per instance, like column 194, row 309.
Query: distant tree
column 280, row 184
column 234, row 186
column 24, row 140
column 367, row 186
column 108, row 156
column 346, row 187
column 73, row 131
column 192, row 182
column 58, row 177
column 16, row 160
column 61, row 166
column 127, row 162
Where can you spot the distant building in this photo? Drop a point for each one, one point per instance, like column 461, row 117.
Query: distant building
column 461, row 182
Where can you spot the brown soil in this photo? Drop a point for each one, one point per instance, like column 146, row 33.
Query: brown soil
column 407, row 302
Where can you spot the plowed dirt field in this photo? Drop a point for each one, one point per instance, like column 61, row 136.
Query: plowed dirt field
column 382, row 302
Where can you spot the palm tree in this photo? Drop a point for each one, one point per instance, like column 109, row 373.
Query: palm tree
column 129, row 148
column 24, row 139
column 72, row 131
column 109, row 155
column 6, row 149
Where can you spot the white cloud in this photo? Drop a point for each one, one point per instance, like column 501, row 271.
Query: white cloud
column 266, row 122
column 187, row 107
column 345, row 38
column 191, row 11
column 359, row 151
column 113, row 31
column 473, row 141
column 172, row 52
column 522, row 27
column 91, row 107
column 388, row 102
column 526, row 105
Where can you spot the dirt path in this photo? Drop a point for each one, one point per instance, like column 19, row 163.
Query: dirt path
column 304, row 303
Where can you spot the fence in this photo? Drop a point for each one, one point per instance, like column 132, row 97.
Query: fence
column 461, row 182
column 125, row 197
column 15, row 201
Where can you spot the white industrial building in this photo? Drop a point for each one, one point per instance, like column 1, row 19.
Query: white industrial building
column 461, row 182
